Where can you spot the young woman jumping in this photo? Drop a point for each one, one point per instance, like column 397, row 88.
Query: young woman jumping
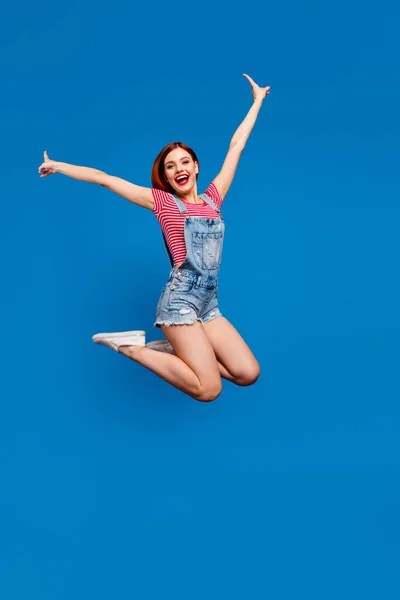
column 201, row 346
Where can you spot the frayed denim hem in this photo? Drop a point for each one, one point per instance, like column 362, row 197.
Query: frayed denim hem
column 169, row 323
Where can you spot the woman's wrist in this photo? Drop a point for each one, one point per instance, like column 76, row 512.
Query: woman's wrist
column 58, row 167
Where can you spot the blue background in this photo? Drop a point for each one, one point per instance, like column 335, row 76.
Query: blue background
column 114, row 484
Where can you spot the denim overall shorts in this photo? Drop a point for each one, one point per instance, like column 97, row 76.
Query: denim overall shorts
column 191, row 292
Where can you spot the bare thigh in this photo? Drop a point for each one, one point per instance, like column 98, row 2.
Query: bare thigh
column 232, row 351
column 192, row 345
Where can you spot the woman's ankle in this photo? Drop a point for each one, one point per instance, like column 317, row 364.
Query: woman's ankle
column 131, row 352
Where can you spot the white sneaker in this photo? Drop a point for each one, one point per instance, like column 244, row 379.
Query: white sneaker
column 122, row 338
column 160, row 346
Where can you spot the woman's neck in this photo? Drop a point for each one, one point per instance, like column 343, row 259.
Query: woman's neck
column 191, row 197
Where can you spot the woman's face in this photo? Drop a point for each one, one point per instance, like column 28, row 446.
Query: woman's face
column 180, row 170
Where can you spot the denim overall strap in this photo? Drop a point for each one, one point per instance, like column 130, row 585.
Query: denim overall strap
column 210, row 202
column 182, row 208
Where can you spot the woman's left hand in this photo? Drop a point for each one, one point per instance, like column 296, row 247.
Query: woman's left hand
column 259, row 93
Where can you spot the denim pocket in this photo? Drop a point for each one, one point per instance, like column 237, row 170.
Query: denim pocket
column 181, row 286
column 207, row 249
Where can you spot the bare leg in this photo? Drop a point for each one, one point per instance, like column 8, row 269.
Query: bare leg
column 225, row 373
column 235, row 359
column 222, row 370
column 194, row 368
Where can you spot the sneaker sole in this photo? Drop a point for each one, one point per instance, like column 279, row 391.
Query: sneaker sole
column 98, row 336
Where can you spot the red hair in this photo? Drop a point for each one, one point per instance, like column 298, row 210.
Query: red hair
column 158, row 180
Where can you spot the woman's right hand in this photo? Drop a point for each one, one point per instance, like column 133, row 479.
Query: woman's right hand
column 259, row 93
column 48, row 167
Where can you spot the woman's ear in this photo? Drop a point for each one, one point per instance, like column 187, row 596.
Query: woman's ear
column 196, row 166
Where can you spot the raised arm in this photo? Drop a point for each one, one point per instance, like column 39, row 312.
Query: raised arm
column 137, row 194
column 225, row 177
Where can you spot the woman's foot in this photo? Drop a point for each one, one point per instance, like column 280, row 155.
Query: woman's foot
column 122, row 338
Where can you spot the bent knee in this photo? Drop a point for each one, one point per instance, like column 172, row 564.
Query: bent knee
column 248, row 376
column 209, row 393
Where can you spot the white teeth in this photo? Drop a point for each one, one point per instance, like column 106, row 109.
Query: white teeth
column 181, row 178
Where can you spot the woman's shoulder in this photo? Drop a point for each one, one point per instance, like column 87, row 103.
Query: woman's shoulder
column 162, row 199
column 214, row 194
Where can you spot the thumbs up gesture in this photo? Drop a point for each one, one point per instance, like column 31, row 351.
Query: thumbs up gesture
column 48, row 167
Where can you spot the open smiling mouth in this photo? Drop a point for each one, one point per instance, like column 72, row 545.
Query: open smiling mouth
column 182, row 180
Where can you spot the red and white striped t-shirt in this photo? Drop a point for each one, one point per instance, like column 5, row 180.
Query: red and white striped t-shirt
column 173, row 222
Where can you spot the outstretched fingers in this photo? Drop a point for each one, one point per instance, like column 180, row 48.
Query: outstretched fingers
column 249, row 79
column 256, row 89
